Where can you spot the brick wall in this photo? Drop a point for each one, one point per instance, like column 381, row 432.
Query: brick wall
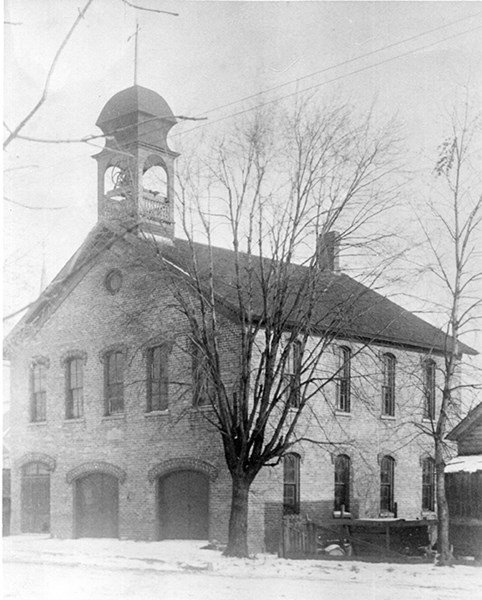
column 91, row 319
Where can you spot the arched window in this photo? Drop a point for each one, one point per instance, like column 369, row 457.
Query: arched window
column 344, row 380
column 388, row 387
column 428, row 484
column 74, row 375
column 387, row 473
column 429, row 367
column 38, row 391
column 114, row 382
column 158, row 377
column 342, row 482
column 291, row 484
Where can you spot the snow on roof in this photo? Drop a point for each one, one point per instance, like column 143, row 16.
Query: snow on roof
column 468, row 464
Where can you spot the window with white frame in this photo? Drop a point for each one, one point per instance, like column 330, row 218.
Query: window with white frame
column 114, row 382
column 74, row 404
column 388, row 387
column 343, row 396
column 428, row 484
column 387, row 481
column 291, row 484
column 429, row 370
column 158, row 377
column 292, row 379
column 342, row 483
column 38, row 394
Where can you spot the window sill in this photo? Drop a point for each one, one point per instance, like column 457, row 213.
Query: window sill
column 74, row 420
column 429, row 514
column 157, row 413
column 386, row 515
column 342, row 413
column 388, row 417
column 37, row 423
column 115, row 417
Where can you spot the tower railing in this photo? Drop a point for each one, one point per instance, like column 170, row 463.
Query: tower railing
column 154, row 207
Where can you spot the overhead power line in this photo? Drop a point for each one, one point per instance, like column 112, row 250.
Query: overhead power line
column 326, row 82
column 341, row 64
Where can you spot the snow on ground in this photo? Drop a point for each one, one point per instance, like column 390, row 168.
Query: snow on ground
column 39, row 567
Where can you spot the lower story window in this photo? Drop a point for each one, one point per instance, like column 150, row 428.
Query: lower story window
column 291, row 484
column 387, row 471
column 428, row 484
column 342, row 483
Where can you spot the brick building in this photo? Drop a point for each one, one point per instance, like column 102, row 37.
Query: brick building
column 106, row 439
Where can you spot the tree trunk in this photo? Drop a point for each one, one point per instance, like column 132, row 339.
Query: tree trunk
column 443, row 543
column 238, row 520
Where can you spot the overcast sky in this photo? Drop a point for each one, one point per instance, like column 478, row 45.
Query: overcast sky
column 415, row 58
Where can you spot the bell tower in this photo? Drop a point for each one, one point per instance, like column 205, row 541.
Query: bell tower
column 135, row 176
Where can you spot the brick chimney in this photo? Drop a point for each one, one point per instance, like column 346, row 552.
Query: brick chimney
column 328, row 251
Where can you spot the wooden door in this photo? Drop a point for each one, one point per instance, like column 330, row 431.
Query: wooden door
column 97, row 506
column 35, row 499
column 184, row 506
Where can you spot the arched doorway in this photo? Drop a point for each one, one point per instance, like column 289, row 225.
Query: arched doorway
column 97, row 506
column 183, row 501
column 35, row 498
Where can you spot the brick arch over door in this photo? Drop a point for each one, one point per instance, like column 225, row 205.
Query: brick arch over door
column 182, row 464
column 95, row 467
column 36, row 457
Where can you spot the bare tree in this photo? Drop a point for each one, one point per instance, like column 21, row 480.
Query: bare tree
column 452, row 231
column 286, row 190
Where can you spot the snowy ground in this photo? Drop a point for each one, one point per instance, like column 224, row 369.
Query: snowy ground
column 40, row 568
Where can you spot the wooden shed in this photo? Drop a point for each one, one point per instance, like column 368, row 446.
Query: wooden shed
column 463, row 476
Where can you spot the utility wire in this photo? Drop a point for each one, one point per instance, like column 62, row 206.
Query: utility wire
column 341, row 64
column 317, row 85
column 332, row 67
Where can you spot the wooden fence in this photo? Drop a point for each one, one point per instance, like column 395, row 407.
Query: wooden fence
column 362, row 537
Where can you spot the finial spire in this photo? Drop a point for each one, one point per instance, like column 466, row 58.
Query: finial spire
column 136, row 51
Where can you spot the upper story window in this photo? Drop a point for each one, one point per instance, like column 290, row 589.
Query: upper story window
column 158, row 377
column 292, row 379
column 291, row 484
column 38, row 396
column 429, row 368
column 342, row 482
column 114, row 382
column 388, row 387
column 428, row 484
column 343, row 400
column 74, row 405
column 203, row 386
column 387, row 480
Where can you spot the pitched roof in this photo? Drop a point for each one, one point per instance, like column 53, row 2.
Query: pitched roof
column 473, row 419
column 343, row 305
column 353, row 309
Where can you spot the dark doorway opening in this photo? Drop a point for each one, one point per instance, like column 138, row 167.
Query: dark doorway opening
column 35, row 498
column 97, row 506
column 184, row 505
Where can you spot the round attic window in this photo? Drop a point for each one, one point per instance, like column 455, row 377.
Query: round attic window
column 113, row 281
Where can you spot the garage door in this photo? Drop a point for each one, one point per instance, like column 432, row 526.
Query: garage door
column 183, row 505
column 97, row 506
